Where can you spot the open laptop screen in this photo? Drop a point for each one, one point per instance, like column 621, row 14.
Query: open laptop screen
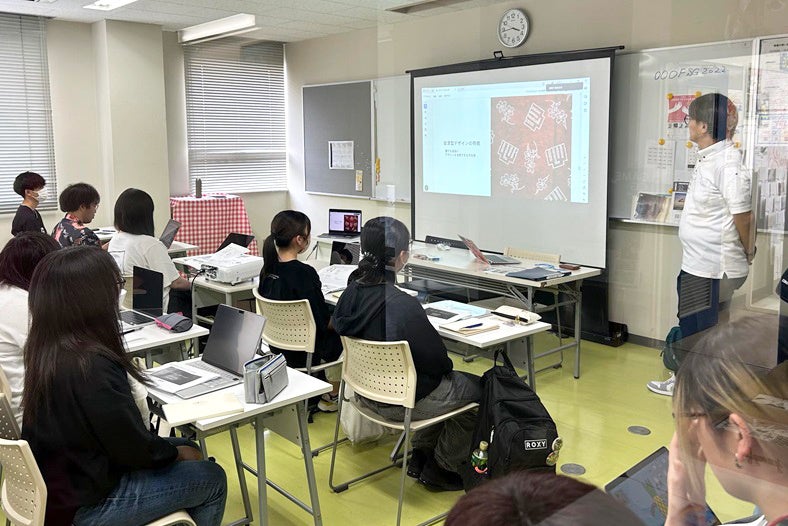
column 234, row 338
column 345, row 222
column 169, row 233
column 236, row 239
column 147, row 291
column 344, row 253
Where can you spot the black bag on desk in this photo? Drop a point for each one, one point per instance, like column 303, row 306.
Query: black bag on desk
column 520, row 432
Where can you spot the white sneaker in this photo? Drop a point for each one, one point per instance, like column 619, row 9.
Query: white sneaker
column 663, row 388
column 328, row 403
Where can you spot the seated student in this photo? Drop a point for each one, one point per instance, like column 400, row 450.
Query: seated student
column 734, row 418
column 373, row 308
column 525, row 498
column 284, row 278
column 79, row 201
column 134, row 245
column 100, row 463
column 18, row 260
column 30, row 186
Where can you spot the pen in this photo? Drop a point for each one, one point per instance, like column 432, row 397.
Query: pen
column 473, row 326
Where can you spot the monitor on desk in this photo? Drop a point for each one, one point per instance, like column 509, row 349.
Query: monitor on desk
column 344, row 253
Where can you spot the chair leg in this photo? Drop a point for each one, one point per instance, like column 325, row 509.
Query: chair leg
column 404, row 474
column 338, row 488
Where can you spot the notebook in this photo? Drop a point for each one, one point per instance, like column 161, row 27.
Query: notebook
column 219, row 404
column 236, row 239
column 234, row 339
column 490, row 259
column 169, row 233
column 343, row 223
column 147, row 291
column 538, row 274
column 643, row 489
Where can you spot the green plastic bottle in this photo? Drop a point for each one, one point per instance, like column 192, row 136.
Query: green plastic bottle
column 479, row 459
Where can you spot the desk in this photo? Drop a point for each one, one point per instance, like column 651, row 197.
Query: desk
column 206, row 292
column 277, row 416
column 152, row 337
column 459, row 267
column 177, row 249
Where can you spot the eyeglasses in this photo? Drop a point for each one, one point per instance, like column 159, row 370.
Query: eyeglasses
column 717, row 421
column 687, row 119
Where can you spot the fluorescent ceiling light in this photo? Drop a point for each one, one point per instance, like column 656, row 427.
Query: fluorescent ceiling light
column 108, row 5
column 224, row 27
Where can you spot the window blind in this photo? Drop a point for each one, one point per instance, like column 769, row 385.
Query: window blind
column 235, row 113
column 26, row 142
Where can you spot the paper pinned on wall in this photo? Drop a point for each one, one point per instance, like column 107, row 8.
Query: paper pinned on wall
column 340, row 155
column 359, row 180
column 661, row 157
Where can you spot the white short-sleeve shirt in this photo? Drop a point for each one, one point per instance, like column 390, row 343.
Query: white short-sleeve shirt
column 719, row 189
column 132, row 250
column 14, row 327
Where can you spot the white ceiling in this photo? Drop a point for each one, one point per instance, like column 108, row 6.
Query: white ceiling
column 280, row 20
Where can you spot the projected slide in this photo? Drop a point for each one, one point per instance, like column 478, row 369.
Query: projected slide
column 526, row 140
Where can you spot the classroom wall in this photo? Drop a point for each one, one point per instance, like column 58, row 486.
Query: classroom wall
column 643, row 260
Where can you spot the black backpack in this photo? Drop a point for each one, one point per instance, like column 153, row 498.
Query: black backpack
column 520, row 432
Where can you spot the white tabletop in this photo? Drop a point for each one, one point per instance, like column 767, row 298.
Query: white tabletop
column 105, row 234
column 300, row 387
column 507, row 331
column 151, row 336
column 225, row 288
column 460, row 261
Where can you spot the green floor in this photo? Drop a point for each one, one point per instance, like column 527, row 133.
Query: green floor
column 592, row 414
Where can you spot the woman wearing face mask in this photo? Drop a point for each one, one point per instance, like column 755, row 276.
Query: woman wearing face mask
column 30, row 186
column 284, row 278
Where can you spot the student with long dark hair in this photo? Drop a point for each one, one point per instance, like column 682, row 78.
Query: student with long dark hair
column 18, row 260
column 101, row 465
column 134, row 245
column 284, row 278
column 373, row 308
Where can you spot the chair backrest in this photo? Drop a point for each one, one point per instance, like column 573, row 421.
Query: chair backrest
column 380, row 371
column 9, row 427
column 289, row 324
column 24, row 494
column 544, row 257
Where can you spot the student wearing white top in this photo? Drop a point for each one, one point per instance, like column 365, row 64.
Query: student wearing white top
column 18, row 260
column 715, row 224
column 135, row 245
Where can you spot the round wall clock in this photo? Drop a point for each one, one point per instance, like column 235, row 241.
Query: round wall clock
column 513, row 28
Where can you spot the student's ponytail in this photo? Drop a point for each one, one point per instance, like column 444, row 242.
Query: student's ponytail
column 286, row 225
column 382, row 239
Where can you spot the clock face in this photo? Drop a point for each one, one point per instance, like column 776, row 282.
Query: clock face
column 513, row 28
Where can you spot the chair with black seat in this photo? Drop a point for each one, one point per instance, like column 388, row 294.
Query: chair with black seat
column 384, row 372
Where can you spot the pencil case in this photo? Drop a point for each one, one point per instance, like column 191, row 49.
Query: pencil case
column 264, row 378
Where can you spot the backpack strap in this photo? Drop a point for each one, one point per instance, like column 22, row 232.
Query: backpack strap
column 506, row 361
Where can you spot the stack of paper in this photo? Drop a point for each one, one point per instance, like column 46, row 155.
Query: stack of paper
column 471, row 326
column 208, row 406
column 334, row 278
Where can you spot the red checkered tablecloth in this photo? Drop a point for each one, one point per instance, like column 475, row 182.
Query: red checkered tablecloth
column 206, row 221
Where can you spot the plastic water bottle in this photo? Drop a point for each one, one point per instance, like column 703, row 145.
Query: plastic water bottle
column 479, row 459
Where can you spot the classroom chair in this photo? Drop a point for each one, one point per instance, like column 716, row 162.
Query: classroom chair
column 383, row 372
column 290, row 325
column 9, row 428
column 24, row 494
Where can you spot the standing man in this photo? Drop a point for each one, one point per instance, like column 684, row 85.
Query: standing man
column 30, row 186
column 79, row 201
column 715, row 227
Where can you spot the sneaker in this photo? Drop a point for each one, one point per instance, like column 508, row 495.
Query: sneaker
column 663, row 388
column 438, row 479
column 328, row 403
column 417, row 461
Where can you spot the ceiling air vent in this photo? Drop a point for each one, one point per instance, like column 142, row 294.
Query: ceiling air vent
column 423, row 5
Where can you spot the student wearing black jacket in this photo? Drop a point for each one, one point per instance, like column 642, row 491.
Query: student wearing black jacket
column 285, row 278
column 373, row 308
column 100, row 463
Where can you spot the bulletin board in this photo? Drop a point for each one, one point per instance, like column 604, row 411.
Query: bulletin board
column 652, row 90
column 338, row 151
column 369, row 118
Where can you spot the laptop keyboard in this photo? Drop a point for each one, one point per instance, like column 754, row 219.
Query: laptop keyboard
column 199, row 364
column 134, row 318
column 493, row 258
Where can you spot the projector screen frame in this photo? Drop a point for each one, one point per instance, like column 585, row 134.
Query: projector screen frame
column 500, row 62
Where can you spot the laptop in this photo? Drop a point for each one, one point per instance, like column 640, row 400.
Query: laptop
column 343, row 223
column 344, row 253
column 170, row 231
column 235, row 238
column 490, row 259
column 234, row 339
column 147, row 293
column 643, row 489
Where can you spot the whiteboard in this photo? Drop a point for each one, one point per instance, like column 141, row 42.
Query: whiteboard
column 392, row 136
column 647, row 86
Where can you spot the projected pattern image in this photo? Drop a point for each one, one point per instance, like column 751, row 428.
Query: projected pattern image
column 531, row 146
